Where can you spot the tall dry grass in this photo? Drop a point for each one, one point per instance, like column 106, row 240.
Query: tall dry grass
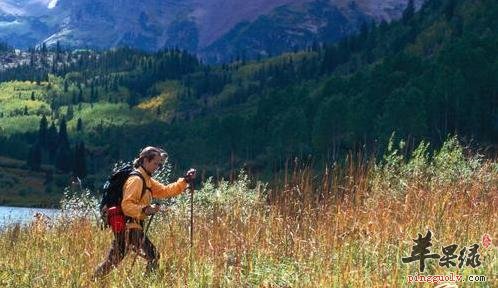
column 347, row 227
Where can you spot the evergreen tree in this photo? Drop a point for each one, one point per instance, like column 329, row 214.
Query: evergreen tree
column 408, row 12
column 330, row 126
column 42, row 132
column 57, row 52
column 32, row 57
column 70, row 112
column 80, row 95
column 63, row 155
column 402, row 102
column 79, row 125
column 79, row 168
column 52, row 141
column 92, row 93
column 64, row 149
column 63, row 159
column 63, row 139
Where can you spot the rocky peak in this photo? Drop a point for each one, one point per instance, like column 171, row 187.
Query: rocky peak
column 195, row 25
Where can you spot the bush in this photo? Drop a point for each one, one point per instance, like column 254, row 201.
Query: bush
column 448, row 165
column 225, row 196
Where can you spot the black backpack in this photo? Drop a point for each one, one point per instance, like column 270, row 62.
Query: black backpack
column 113, row 189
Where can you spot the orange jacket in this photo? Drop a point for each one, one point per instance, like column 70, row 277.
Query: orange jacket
column 133, row 204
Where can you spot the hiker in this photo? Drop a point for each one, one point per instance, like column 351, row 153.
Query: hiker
column 136, row 206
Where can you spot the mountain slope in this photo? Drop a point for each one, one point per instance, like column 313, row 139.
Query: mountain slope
column 209, row 27
column 287, row 28
column 431, row 74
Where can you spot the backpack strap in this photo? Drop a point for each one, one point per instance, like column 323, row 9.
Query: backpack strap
column 144, row 186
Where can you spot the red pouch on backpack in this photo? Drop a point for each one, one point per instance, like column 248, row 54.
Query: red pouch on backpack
column 116, row 219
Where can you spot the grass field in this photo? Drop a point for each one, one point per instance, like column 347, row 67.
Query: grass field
column 349, row 226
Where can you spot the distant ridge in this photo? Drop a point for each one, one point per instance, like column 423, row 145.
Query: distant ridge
column 216, row 30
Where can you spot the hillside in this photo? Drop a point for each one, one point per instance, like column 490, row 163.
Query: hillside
column 426, row 76
column 28, row 188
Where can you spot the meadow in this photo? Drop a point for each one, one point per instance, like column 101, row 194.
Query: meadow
column 348, row 226
column 22, row 104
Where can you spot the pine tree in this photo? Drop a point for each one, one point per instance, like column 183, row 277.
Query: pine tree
column 79, row 168
column 52, row 141
column 92, row 93
column 63, row 159
column 80, row 96
column 70, row 112
column 330, row 126
column 42, row 132
column 409, row 12
column 63, row 156
column 57, row 52
column 63, row 139
column 79, row 125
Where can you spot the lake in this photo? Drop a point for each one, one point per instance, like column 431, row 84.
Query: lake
column 11, row 215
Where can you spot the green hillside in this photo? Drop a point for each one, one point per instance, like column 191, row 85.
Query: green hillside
column 429, row 75
column 21, row 187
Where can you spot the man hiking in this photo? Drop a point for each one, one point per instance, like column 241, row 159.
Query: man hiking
column 136, row 206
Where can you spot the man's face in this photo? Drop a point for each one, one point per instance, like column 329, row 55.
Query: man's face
column 152, row 165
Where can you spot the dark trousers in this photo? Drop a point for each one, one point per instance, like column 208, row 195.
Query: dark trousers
column 132, row 239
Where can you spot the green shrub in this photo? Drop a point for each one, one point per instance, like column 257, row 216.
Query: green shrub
column 225, row 196
column 449, row 164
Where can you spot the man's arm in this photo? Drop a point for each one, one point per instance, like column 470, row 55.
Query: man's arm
column 160, row 190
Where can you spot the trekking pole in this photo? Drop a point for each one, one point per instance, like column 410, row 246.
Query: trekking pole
column 142, row 241
column 191, row 254
column 191, row 214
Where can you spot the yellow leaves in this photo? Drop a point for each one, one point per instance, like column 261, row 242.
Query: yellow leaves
column 166, row 99
column 153, row 103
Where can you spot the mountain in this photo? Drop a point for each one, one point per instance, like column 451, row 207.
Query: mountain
column 427, row 76
column 24, row 23
column 217, row 30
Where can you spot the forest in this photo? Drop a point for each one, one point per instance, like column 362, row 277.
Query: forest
column 428, row 76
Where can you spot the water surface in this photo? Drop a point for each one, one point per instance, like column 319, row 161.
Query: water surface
column 21, row 215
